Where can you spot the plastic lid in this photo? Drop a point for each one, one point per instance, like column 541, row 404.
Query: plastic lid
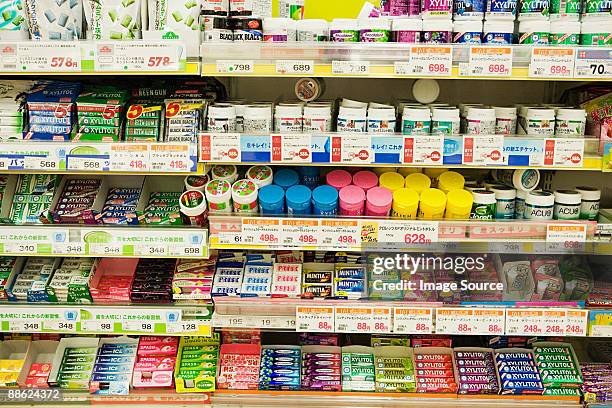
column 571, row 114
column 365, row 179
column 526, row 179
column 352, row 195
column 425, row 90
column 308, row 171
column 222, row 111
column 382, row 170
column 434, row 198
column 537, row 26
column 481, row 113
column 379, row 197
column 258, row 111
column 317, row 110
column 339, row 178
column 286, row 178
column 289, row 110
column 352, row 112
column 521, row 194
column 418, row 182
column 298, row 196
column 460, row 199
column 406, row 171
column 196, row 182
column 467, row 26
column 325, row 195
column 218, row 191
column 381, row 113
column 450, row 180
column 568, row 197
column 391, row 181
column 438, row 25
column 589, row 193
column 422, row 114
column 541, row 198
column 505, row 111
column 192, row 203
column 484, row 197
column 244, row 191
column 271, row 195
column 407, row 24
column 434, row 172
column 464, row 107
column 503, row 192
column 445, row 114
column 349, row 103
column 261, row 175
column 540, row 113
column 224, row 172
column 499, row 26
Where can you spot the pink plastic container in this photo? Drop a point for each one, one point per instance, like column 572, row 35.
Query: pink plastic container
column 351, row 200
column 365, row 179
column 378, row 202
column 339, row 179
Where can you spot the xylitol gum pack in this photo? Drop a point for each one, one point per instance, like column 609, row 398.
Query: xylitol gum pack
column 51, row 109
column 54, row 19
column 174, row 14
column 113, row 19
column 163, row 209
column 99, row 112
column 120, row 207
column 32, row 282
column 70, row 281
column 76, row 201
column 32, row 199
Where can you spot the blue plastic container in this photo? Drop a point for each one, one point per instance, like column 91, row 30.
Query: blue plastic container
column 298, row 200
column 286, row 178
column 271, row 200
column 325, row 201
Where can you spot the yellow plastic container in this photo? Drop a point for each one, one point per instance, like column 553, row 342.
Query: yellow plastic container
column 433, row 173
column 391, row 181
column 417, row 182
column 382, row 170
column 406, row 171
column 450, row 180
column 405, row 203
column 432, row 205
column 459, row 204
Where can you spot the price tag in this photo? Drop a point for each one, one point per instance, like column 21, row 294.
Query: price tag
column 455, row 321
column 339, row 233
column 524, row 322
column 483, row 150
column 566, row 233
column 87, row 163
column 423, row 150
column 402, row 232
column 314, row 319
column 593, row 63
column 554, row 322
column 138, row 56
column 25, row 326
column 551, row 62
column 412, row 320
column 138, row 327
column 576, row 322
column 189, row 251
column 220, row 148
column 302, row 232
column 229, row 238
column 171, row 158
column 186, row 327
column 382, row 321
column 61, row 326
column 235, row 67
column 353, row 319
column 600, row 330
column 427, row 60
column 295, row 67
column 129, row 157
column 291, row 148
column 489, row 321
column 97, row 326
column 68, row 248
column 5, row 163
column 40, row 163
column 564, row 152
column 261, row 231
column 220, row 320
column 20, row 249
column 151, row 250
column 488, row 61
column 273, row 322
column 350, row 67
column 351, row 149
column 106, row 249
column 49, row 57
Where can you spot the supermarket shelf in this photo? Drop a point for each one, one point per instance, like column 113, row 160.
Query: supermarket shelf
column 361, row 149
column 107, row 319
column 396, row 60
column 103, row 241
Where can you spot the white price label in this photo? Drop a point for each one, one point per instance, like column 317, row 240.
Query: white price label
column 339, row 233
column 97, row 326
column 296, row 67
column 138, row 56
column 229, row 238
column 106, row 249
column 188, row 251
column 61, row 326
column 220, row 320
column 353, row 319
column 25, row 326
column 601, row 330
column 129, row 157
column 151, row 250
column 171, row 158
column 488, row 61
column 382, row 321
column 566, row 233
column 235, row 67
column 412, row 320
column 314, row 319
column 403, row 232
column 138, row 327
column 21, row 249
column 291, row 148
column 261, row 231
column 524, row 322
column 87, row 163
column 185, row 327
column 483, row 150
column 554, row 322
column 563, row 152
column 427, row 60
column 49, row 57
column 593, row 63
column 40, row 163
column 576, row 322
column 423, row 150
column 5, row 163
column 352, row 149
column 551, row 62
column 350, row 67
column 220, row 148
column 470, row 321
column 68, row 248
column 301, row 232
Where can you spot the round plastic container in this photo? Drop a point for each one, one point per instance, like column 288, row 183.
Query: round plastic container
column 405, row 203
column 381, row 120
column 325, row 201
column 570, row 122
column 309, row 176
column 523, row 179
column 597, row 32
column 533, row 10
column 227, row 172
column 467, row 31
column 407, row 30
column 365, row 179
column 278, row 29
column 286, row 178
column 351, row 200
column 260, row 175
column 288, row 118
column 450, row 180
column 299, row 200
column 437, row 31
column 391, row 181
column 425, row 90
column 312, row 30
column 221, row 118
column 445, row 121
column 338, row 179
column 480, row 121
column 458, row 204
column 406, row 171
column 271, row 200
column 416, row 121
column 434, row 173
column 505, row 120
column 506, row 198
column 519, row 204
column 317, row 118
column 196, row 183
column 564, row 32
column 589, row 207
column 344, row 30
column 534, row 32
column 193, row 204
column 382, row 170
column 240, row 108
column 539, row 205
column 244, row 196
column 378, row 202
column 498, row 31
column 432, row 204
column 418, row 182
column 257, row 119
column 352, row 119
column 540, row 121
column 219, row 196
column 483, row 207
column 567, row 205
column 374, row 30
column 309, row 89
column 469, row 9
